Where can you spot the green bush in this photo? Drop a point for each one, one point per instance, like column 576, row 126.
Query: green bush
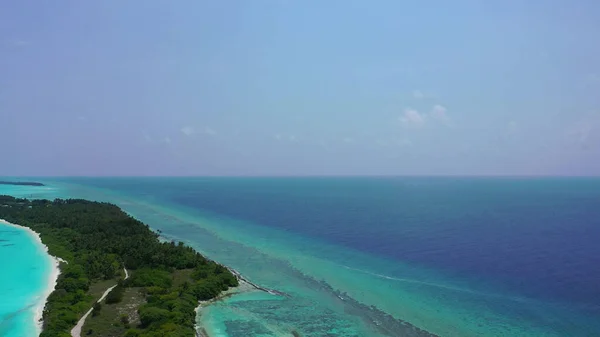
column 150, row 315
column 115, row 295
column 133, row 333
column 96, row 309
column 150, row 278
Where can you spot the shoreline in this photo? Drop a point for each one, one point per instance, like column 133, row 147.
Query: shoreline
column 52, row 277
column 244, row 286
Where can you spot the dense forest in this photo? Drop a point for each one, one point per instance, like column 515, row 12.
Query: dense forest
column 97, row 240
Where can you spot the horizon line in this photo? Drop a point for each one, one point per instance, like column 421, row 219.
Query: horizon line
column 315, row 176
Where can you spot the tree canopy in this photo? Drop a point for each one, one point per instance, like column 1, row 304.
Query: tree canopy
column 97, row 240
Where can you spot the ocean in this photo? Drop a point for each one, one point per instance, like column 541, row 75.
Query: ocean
column 410, row 256
column 25, row 270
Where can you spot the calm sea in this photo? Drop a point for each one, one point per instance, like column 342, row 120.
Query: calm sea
column 383, row 256
column 24, row 271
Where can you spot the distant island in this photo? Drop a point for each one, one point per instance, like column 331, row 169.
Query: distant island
column 151, row 288
column 21, row 183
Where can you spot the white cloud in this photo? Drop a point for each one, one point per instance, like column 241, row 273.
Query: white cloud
column 210, row 131
column 325, row 145
column 415, row 119
column 167, row 140
column 348, row 140
column 18, row 43
column 418, row 94
column 187, row 130
column 584, row 132
column 405, row 142
column 147, row 137
column 412, row 117
column 593, row 78
column 512, row 127
column 283, row 137
column 381, row 142
column 439, row 111
column 580, row 135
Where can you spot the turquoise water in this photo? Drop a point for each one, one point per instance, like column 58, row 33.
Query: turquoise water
column 25, row 272
column 382, row 257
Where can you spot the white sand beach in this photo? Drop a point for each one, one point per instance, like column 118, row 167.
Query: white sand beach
column 52, row 277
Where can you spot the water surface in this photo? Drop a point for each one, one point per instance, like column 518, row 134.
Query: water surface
column 384, row 256
column 25, row 271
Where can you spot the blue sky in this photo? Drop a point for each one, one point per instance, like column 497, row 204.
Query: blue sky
column 282, row 87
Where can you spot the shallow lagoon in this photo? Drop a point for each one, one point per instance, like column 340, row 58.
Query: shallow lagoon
column 25, row 270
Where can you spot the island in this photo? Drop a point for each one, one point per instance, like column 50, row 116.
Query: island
column 21, row 183
column 116, row 269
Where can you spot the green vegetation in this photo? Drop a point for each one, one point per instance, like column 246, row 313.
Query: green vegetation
column 98, row 240
column 116, row 295
column 111, row 321
column 96, row 309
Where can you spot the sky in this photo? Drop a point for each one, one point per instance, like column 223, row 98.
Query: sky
column 312, row 87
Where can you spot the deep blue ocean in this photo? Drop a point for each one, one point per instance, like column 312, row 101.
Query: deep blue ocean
column 382, row 256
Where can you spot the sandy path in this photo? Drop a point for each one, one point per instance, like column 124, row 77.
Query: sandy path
column 76, row 331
